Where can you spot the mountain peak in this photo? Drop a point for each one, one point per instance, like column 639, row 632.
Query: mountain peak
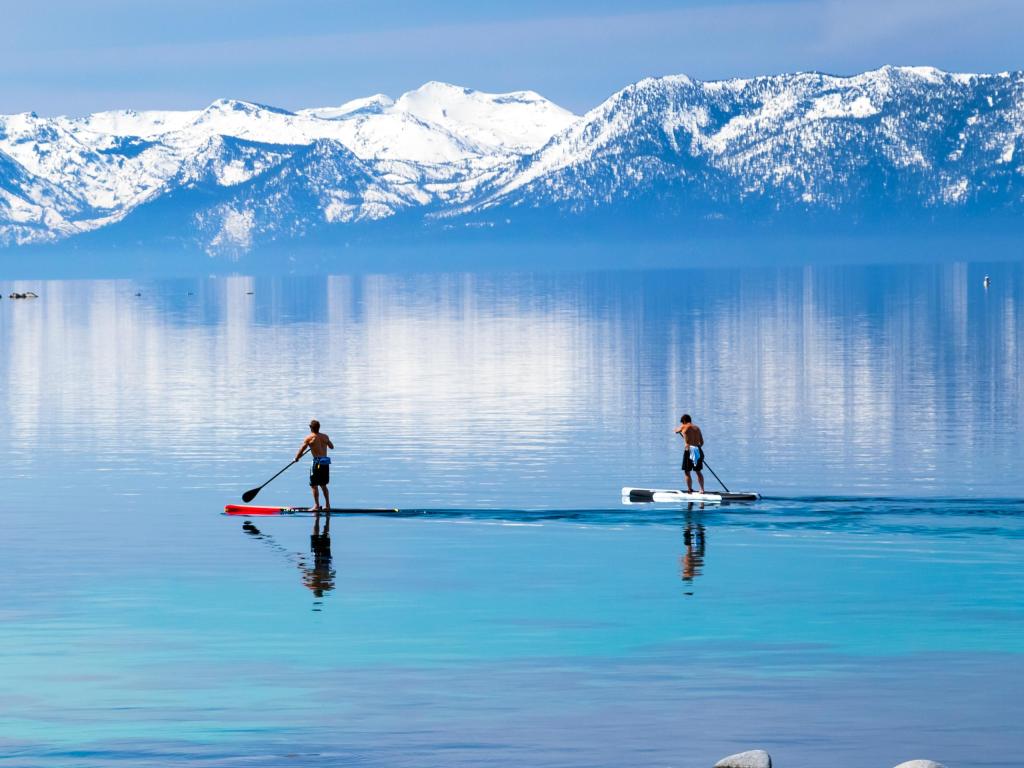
column 520, row 120
column 223, row 106
column 438, row 87
column 368, row 105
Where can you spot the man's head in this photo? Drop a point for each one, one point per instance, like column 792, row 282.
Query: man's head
column 685, row 419
column 315, row 426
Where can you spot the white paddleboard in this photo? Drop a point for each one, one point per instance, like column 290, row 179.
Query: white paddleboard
column 648, row 495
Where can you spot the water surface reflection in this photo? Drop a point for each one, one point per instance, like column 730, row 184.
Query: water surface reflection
column 545, row 390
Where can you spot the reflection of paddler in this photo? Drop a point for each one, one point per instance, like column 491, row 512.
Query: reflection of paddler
column 319, row 578
column 693, row 557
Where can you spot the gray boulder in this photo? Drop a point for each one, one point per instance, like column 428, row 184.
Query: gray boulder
column 754, row 758
column 920, row 764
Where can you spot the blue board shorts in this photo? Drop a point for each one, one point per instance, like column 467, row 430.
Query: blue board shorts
column 320, row 471
column 693, row 459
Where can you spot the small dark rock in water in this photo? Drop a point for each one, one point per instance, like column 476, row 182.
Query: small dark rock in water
column 248, row 293
column 754, row 758
column 920, row 764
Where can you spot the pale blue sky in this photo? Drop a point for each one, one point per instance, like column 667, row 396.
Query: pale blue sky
column 76, row 56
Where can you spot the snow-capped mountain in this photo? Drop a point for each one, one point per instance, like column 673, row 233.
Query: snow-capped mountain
column 65, row 176
column 475, row 123
column 885, row 145
column 884, row 141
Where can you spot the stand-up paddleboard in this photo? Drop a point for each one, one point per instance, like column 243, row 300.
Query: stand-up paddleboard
column 642, row 495
column 245, row 509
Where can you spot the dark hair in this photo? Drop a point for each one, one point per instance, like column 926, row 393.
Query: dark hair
column 314, row 425
column 685, row 419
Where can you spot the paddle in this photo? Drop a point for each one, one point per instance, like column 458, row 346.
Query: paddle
column 713, row 473
column 251, row 493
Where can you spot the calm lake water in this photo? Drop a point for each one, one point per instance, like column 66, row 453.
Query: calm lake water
column 869, row 611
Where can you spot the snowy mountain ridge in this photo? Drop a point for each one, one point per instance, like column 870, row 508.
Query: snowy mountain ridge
column 236, row 176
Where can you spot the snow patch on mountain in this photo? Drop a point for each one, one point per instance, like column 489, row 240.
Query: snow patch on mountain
column 522, row 121
column 235, row 233
column 370, row 105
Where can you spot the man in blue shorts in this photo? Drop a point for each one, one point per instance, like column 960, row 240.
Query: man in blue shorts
column 320, row 470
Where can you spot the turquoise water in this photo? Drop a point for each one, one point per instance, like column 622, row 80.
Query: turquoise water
column 870, row 610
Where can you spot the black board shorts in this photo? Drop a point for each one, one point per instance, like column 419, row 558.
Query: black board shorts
column 689, row 465
column 319, row 474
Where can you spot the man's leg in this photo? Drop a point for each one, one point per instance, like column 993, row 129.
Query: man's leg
column 327, row 497
column 689, row 482
column 316, row 497
column 700, row 480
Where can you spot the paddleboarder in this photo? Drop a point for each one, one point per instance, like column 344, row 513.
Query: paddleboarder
column 693, row 454
column 320, row 470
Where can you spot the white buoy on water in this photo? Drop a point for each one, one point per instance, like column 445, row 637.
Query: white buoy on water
column 987, row 281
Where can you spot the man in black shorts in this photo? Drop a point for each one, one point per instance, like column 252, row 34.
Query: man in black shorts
column 693, row 453
column 320, row 470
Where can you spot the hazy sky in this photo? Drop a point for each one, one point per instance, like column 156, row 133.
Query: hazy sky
column 78, row 56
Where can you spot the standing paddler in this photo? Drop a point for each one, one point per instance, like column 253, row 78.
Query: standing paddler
column 693, row 454
column 320, row 470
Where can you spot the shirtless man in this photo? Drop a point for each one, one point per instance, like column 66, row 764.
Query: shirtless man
column 320, row 470
column 693, row 454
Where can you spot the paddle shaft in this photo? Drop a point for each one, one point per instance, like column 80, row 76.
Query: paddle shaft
column 251, row 494
column 713, row 473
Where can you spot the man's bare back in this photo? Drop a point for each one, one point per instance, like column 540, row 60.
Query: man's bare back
column 317, row 443
column 691, row 435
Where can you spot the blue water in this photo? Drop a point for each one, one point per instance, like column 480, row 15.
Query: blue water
column 871, row 609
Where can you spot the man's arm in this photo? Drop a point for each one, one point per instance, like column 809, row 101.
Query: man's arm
column 303, row 447
column 329, row 443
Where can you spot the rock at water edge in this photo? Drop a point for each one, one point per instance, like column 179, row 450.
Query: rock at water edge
column 754, row 758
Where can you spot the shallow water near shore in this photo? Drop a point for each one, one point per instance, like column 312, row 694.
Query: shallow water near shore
column 869, row 610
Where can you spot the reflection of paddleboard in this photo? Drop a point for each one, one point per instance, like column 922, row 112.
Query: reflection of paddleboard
column 243, row 509
column 649, row 495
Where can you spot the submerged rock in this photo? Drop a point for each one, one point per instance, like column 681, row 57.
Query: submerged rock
column 920, row 764
column 754, row 758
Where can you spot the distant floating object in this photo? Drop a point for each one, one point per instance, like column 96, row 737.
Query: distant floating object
column 987, row 281
column 248, row 293
column 26, row 295
column 138, row 293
